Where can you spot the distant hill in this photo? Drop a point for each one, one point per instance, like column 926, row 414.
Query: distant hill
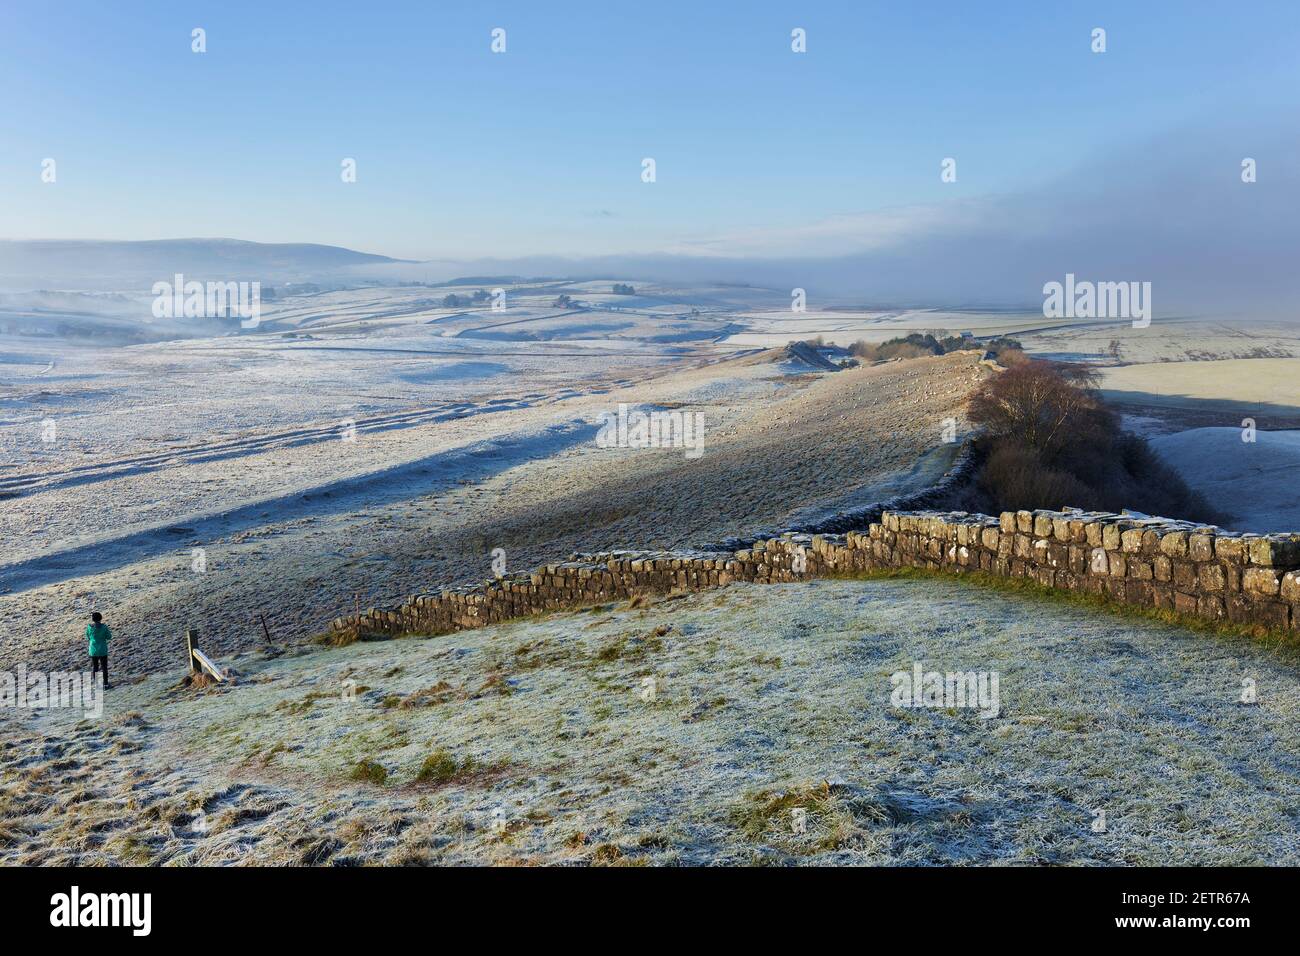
column 35, row 263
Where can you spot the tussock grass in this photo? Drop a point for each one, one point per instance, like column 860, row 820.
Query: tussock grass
column 369, row 771
column 440, row 767
column 439, row 693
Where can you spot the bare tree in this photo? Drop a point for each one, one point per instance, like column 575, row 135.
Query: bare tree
column 1044, row 405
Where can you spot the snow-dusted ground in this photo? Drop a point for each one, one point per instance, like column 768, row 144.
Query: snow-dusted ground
column 1254, row 482
column 366, row 444
column 1166, row 340
column 360, row 446
column 209, row 481
column 844, row 327
column 690, row 731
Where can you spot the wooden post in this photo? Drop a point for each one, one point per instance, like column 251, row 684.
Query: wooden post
column 200, row 662
column 265, row 632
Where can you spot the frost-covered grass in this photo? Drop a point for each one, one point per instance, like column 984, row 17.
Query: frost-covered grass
column 309, row 527
column 694, row 730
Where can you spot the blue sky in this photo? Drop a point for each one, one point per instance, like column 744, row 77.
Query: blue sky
column 462, row 153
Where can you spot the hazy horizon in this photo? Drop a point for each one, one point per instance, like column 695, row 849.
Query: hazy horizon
column 821, row 169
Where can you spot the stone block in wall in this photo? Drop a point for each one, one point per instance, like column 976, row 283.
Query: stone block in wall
column 1290, row 589
column 1139, row 592
column 989, row 539
column 1211, row 607
column 1276, row 551
column 1184, row 603
column 1098, row 562
column 1007, row 522
column 1163, row 567
column 1262, row 581
column 1117, row 562
column 1174, row 544
column 1111, row 537
column 1212, row 577
column 1162, row 596
column 1093, row 533
column 1131, row 541
column 1025, row 522
column 1240, row 608
column 1042, row 525
column 1185, row 576
column 1200, row 546
column 1023, row 547
column 1230, row 548
column 1141, row 570
column 1273, row 614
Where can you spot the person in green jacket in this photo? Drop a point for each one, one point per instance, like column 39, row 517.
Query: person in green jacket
column 98, row 634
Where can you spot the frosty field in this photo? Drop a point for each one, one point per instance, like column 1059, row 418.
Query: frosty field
column 537, row 742
column 361, row 446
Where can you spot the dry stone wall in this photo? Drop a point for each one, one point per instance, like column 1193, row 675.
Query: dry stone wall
column 1191, row 570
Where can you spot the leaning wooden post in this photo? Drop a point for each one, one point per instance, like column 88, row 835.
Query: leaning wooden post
column 200, row 662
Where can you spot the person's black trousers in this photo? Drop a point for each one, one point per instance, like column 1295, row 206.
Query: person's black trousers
column 97, row 664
